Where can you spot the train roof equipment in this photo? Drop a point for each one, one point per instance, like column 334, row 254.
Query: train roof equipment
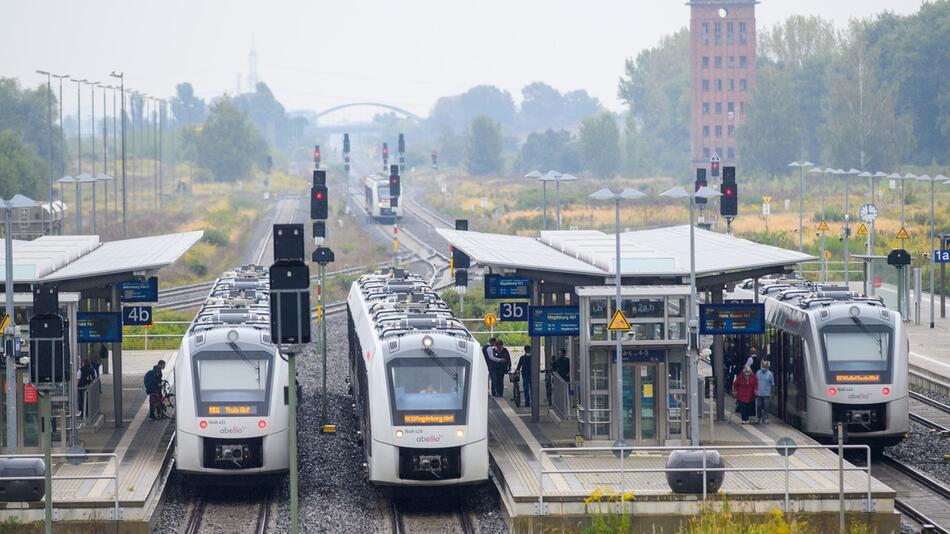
column 240, row 297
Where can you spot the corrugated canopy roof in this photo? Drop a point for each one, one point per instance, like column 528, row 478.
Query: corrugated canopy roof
column 55, row 258
column 655, row 252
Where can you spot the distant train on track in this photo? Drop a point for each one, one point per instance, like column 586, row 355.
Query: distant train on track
column 378, row 202
column 419, row 382
column 836, row 356
column 232, row 421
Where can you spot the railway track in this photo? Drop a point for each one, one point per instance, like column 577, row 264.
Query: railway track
column 437, row 518
column 230, row 517
column 929, row 412
column 921, row 498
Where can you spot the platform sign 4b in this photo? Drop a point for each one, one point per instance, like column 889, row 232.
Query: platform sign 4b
column 137, row 315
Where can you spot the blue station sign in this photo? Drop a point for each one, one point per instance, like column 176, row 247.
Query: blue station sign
column 139, row 290
column 644, row 355
column 554, row 321
column 99, row 327
column 719, row 319
column 504, row 287
column 942, row 256
column 512, row 311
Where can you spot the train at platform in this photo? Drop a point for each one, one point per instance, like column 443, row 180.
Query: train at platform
column 232, row 421
column 836, row 356
column 377, row 200
column 419, row 383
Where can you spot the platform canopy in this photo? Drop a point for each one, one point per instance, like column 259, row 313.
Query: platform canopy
column 659, row 253
column 83, row 258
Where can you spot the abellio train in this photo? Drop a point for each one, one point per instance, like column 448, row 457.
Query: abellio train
column 837, row 356
column 232, row 421
column 419, row 383
column 378, row 202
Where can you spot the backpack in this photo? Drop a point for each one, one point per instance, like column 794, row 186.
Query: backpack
column 149, row 379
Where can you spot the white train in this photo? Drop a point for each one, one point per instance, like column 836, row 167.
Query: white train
column 377, row 200
column 836, row 356
column 419, row 382
column 232, row 420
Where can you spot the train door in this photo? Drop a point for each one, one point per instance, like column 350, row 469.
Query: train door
column 643, row 390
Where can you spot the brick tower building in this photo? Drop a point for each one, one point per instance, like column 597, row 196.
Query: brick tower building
column 722, row 70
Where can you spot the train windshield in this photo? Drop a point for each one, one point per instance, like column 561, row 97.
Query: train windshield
column 860, row 347
column 383, row 189
column 232, row 382
column 428, row 391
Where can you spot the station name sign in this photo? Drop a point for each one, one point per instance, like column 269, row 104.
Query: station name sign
column 99, row 327
column 503, row 287
column 725, row 319
column 139, row 290
column 554, row 321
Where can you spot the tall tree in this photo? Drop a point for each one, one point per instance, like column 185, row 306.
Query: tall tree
column 451, row 147
column 483, row 146
column 22, row 171
column 656, row 87
column 457, row 111
column 600, row 145
column 549, row 149
column 229, row 144
column 188, row 108
column 25, row 111
column 772, row 133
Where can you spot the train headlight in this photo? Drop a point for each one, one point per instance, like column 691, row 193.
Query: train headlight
column 427, row 342
column 832, row 392
column 460, row 433
column 400, row 433
column 262, row 424
column 202, row 424
column 886, row 391
column 854, row 311
column 233, row 336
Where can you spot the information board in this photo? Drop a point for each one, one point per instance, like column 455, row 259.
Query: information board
column 717, row 319
column 644, row 355
column 554, row 320
column 139, row 290
column 503, row 287
column 99, row 327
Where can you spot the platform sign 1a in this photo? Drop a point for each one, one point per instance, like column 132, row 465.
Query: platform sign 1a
column 502, row 287
column 139, row 290
column 137, row 315
column 512, row 311
column 719, row 319
column 99, row 327
column 942, row 256
column 554, row 321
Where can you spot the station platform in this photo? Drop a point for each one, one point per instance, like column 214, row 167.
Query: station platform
column 142, row 449
column 515, row 442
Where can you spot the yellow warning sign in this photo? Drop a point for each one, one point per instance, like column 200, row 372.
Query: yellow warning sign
column 863, row 229
column 827, row 254
column 4, row 322
column 490, row 319
column 822, row 226
column 767, row 199
column 902, row 234
column 619, row 322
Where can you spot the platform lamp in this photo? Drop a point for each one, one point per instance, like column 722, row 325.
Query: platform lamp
column 801, row 201
column 926, row 178
column 536, row 175
column 691, row 348
column 562, row 178
column 818, row 171
column 607, row 194
column 17, row 202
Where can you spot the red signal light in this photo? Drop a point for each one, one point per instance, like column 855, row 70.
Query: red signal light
column 832, row 391
column 202, row 424
column 262, row 424
column 319, row 195
column 886, row 391
column 729, row 192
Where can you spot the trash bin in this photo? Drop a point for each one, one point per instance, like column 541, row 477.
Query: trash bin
column 692, row 481
column 22, row 490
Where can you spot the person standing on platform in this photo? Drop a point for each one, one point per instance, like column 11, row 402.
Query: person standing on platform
column 486, row 353
column 764, row 382
column 524, row 369
column 498, row 364
column 153, row 387
column 753, row 361
column 743, row 389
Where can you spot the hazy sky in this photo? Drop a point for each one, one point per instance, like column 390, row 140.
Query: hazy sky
column 315, row 54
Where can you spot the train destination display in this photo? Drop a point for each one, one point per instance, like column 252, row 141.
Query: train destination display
column 717, row 319
column 99, row 327
column 502, row 287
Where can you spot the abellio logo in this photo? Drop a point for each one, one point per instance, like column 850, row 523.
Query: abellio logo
column 233, row 429
column 859, row 396
column 428, row 439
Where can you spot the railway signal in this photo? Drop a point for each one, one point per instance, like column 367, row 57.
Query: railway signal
column 346, row 153
column 401, row 146
column 385, row 156
column 700, row 183
column 729, row 203
column 395, row 188
column 435, row 159
column 714, row 165
column 319, row 202
column 316, row 156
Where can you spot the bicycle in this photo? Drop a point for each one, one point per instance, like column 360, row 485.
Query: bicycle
column 166, row 404
column 515, row 378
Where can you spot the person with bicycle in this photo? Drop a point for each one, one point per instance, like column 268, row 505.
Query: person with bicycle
column 153, row 387
column 524, row 369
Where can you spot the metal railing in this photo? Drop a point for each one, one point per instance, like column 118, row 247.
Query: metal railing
column 146, row 335
column 625, row 451
column 113, row 457
column 90, row 400
column 562, row 399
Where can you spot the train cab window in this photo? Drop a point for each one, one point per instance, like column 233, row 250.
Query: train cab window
column 232, row 383
column 428, row 391
column 383, row 190
column 849, row 348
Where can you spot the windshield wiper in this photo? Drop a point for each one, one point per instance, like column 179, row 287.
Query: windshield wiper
column 438, row 361
column 867, row 331
column 237, row 350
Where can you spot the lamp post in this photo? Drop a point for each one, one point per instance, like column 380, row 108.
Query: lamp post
column 17, row 202
column 692, row 348
column 557, row 182
column 49, row 161
column 121, row 77
column 847, row 229
column 62, row 128
column 79, row 119
column 801, row 201
column 607, row 194
column 930, row 253
column 534, row 175
column 869, row 279
column 908, row 176
column 847, row 224
column 92, row 98
column 821, row 188
column 554, row 176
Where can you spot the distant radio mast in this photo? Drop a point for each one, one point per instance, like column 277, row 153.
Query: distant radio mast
column 252, row 67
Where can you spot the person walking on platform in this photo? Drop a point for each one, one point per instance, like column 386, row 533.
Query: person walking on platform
column 153, row 387
column 524, row 369
column 764, row 382
column 499, row 364
column 743, row 389
column 753, row 361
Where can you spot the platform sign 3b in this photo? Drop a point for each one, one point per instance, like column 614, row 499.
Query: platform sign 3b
column 512, row 311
